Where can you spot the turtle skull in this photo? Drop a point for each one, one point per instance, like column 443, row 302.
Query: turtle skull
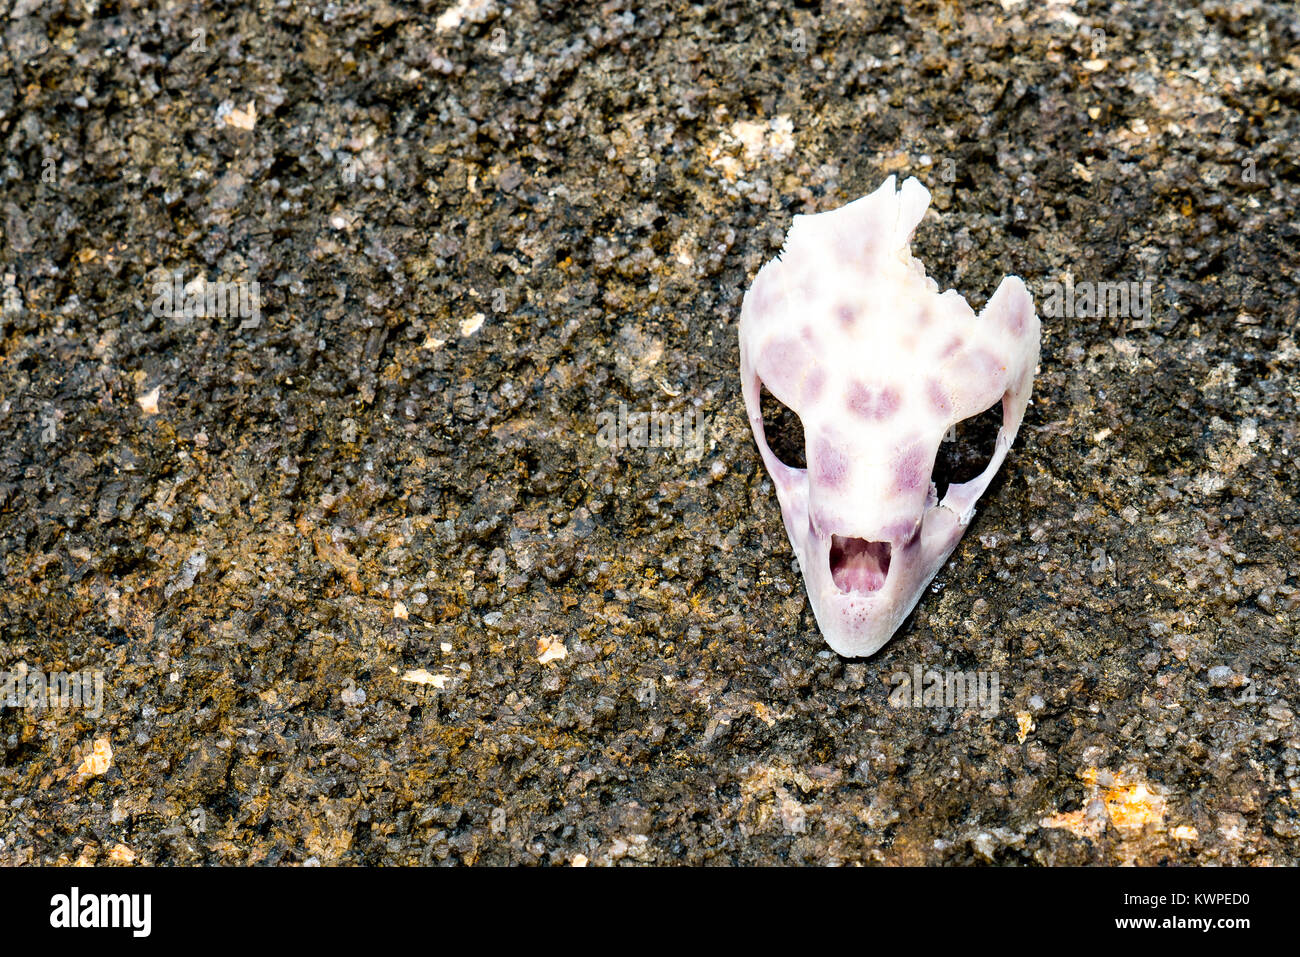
column 846, row 329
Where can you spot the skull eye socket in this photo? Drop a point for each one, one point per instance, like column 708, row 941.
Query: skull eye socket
column 783, row 430
column 966, row 450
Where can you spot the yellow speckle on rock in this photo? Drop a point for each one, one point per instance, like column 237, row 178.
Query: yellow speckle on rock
column 578, row 860
column 244, row 119
column 1129, row 804
column 399, row 611
column 1133, row 806
column 121, row 854
column 1026, row 722
column 894, row 162
column 472, row 324
column 99, row 760
column 551, row 649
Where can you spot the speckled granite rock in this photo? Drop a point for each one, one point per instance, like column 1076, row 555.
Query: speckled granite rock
column 365, row 588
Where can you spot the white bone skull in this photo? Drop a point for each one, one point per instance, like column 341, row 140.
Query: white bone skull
column 846, row 329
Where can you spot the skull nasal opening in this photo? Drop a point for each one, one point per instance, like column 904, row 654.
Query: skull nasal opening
column 783, row 430
column 858, row 565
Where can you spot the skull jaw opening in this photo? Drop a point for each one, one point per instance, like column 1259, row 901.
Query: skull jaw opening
column 861, row 591
column 857, row 565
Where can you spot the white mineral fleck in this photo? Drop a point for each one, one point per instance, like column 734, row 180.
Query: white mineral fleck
column 149, row 401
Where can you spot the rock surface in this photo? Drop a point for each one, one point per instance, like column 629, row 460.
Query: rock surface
column 363, row 586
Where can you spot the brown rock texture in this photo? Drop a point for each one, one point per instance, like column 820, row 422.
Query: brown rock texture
column 364, row 588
